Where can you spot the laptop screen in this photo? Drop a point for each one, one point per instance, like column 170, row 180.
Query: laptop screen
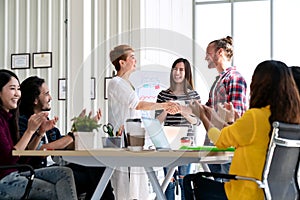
column 164, row 137
column 156, row 133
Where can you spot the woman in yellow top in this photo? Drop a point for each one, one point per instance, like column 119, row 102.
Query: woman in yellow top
column 274, row 97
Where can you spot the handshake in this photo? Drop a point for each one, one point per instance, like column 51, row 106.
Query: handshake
column 182, row 107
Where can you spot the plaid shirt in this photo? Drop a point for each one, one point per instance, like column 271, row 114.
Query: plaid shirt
column 229, row 86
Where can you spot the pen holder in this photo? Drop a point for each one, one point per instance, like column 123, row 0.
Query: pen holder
column 111, row 142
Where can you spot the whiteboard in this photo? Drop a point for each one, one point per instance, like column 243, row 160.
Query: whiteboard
column 148, row 84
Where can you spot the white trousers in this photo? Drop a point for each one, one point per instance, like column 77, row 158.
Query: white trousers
column 135, row 188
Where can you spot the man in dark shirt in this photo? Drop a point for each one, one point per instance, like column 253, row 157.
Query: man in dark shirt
column 36, row 98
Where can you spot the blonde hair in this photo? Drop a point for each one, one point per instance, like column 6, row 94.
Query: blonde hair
column 119, row 53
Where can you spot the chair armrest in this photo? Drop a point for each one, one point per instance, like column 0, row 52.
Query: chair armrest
column 217, row 175
column 20, row 167
column 258, row 182
column 30, row 177
column 231, row 176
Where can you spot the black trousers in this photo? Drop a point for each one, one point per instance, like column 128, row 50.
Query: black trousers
column 204, row 189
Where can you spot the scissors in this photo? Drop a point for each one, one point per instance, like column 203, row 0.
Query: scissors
column 109, row 129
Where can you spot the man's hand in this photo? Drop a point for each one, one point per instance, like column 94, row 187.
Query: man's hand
column 97, row 117
column 47, row 125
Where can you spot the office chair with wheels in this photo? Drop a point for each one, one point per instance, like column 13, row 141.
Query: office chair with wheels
column 279, row 179
column 23, row 167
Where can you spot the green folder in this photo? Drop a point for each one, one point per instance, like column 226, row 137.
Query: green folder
column 206, row 148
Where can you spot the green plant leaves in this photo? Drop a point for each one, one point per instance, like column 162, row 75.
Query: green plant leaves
column 84, row 124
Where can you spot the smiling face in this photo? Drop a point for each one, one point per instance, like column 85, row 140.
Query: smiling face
column 178, row 73
column 42, row 103
column 211, row 56
column 10, row 94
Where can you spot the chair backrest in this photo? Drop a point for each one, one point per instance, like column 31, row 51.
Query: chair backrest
column 282, row 162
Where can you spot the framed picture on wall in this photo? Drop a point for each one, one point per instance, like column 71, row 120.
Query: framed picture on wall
column 62, row 89
column 20, row 61
column 93, row 88
column 42, row 60
column 106, row 82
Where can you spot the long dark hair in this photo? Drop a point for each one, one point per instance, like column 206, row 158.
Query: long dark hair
column 188, row 83
column 296, row 75
column 30, row 89
column 272, row 84
column 5, row 77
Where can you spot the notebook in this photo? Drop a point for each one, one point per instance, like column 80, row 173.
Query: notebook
column 164, row 138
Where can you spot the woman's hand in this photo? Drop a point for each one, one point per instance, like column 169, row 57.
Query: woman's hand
column 216, row 120
column 187, row 113
column 208, row 116
column 200, row 110
column 36, row 120
column 195, row 107
column 227, row 113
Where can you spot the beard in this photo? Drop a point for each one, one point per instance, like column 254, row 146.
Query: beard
column 46, row 109
column 211, row 65
column 43, row 106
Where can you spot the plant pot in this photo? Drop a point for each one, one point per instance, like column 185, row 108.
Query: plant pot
column 111, row 142
column 87, row 140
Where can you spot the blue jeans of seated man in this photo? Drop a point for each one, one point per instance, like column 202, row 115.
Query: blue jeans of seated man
column 170, row 191
column 53, row 183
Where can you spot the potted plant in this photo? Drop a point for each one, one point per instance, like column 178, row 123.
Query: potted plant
column 85, row 130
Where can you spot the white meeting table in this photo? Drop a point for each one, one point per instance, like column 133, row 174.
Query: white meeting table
column 112, row 158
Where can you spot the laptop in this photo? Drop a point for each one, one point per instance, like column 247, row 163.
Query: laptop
column 164, row 137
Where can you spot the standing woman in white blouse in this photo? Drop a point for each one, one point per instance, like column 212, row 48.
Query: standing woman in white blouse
column 123, row 103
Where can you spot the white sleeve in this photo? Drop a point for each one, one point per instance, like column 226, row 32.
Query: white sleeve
column 122, row 91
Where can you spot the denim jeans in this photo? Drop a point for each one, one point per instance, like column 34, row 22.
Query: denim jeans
column 53, row 183
column 170, row 191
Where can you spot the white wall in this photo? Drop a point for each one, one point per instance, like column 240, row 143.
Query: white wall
column 35, row 26
column 80, row 35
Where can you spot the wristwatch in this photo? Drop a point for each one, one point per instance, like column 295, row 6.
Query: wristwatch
column 71, row 134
